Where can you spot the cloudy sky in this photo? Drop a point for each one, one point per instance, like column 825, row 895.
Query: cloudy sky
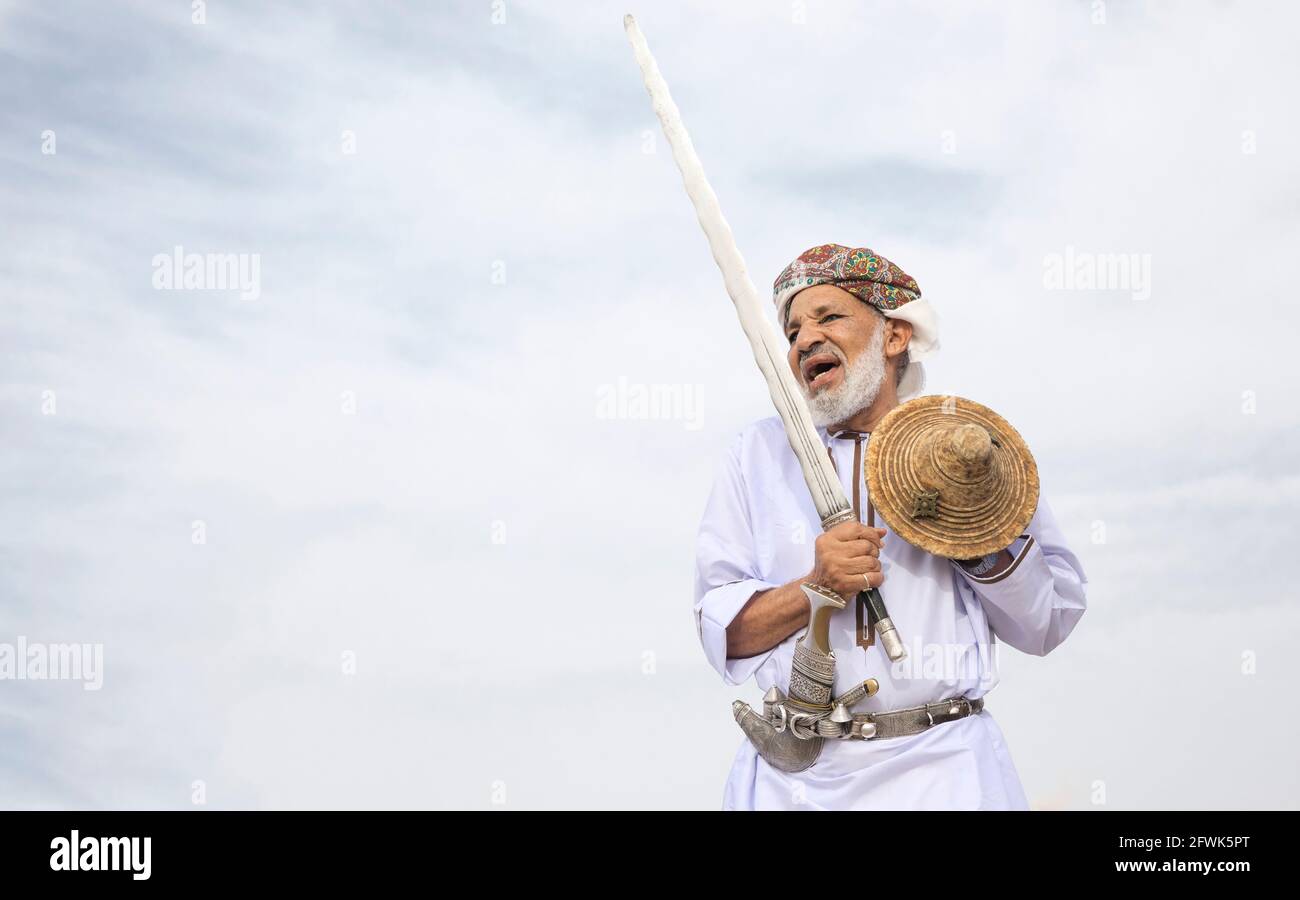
column 368, row 538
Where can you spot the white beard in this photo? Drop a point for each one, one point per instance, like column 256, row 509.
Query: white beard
column 862, row 381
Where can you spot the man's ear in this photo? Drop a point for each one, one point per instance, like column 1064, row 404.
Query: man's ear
column 899, row 337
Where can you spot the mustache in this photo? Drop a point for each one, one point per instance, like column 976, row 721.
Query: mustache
column 823, row 347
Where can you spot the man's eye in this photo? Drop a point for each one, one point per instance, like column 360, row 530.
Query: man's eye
column 831, row 316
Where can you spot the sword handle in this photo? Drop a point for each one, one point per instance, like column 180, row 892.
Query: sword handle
column 885, row 630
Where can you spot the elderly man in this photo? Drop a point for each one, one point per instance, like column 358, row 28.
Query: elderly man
column 858, row 330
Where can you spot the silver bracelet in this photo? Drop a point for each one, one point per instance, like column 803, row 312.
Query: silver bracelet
column 982, row 566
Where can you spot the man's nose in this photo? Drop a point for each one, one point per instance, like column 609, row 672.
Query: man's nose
column 810, row 336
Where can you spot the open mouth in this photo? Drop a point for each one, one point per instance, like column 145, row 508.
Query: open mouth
column 820, row 370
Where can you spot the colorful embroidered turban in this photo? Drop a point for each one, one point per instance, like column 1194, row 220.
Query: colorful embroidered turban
column 874, row 280
column 859, row 270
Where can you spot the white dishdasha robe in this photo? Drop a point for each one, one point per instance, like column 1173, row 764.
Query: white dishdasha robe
column 758, row 532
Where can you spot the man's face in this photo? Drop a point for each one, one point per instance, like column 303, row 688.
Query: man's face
column 839, row 351
column 828, row 328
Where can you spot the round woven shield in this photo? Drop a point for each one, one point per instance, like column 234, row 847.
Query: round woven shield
column 951, row 476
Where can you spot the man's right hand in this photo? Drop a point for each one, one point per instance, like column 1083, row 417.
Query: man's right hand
column 845, row 554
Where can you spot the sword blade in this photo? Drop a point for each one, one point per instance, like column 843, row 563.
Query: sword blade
column 818, row 473
column 823, row 483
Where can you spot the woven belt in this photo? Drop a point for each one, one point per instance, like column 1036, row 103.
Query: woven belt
column 914, row 720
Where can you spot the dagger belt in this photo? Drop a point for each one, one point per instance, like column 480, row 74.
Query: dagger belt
column 790, row 733
column 782, row 713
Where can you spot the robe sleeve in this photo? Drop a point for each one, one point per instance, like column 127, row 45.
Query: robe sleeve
column 726, row 569
column 1034, row 603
